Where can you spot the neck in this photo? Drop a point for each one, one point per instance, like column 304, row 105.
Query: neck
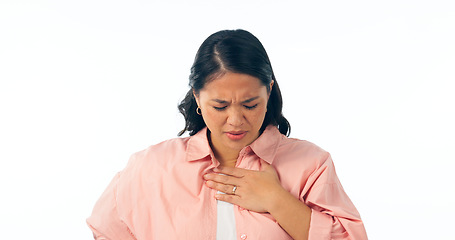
column 226, row 157
column 227, row 163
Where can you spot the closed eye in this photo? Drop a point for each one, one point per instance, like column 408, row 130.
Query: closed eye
column 219, row 108
column 251, row 107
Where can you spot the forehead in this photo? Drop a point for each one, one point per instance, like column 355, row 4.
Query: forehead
column 234, row 85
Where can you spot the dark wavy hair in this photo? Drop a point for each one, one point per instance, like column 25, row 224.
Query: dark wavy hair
column 236, row 51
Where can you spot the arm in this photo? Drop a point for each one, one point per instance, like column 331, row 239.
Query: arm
column 105, row 222
column 333, row 216
column 292, row 215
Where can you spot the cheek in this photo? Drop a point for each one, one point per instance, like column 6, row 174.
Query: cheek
column 212, row 118
column 257, row 117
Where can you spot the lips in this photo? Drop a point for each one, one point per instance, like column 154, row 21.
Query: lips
column 236, row 135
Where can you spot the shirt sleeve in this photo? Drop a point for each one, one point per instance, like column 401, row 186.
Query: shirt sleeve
column 333, row 215
column 105, row 221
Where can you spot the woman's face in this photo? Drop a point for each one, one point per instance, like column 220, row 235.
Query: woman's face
column 233, row 107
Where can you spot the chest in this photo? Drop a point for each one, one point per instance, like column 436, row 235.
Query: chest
column 176, row 204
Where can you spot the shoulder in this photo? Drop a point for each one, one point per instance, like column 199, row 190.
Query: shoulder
column 168, row 147
column 159, row 153
column 299, row 162
column 154, row 160
column 146, row 166
column 301, row 151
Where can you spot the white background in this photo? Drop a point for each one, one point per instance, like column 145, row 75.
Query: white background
column 84, row 84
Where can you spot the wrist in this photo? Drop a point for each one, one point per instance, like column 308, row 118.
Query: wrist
column 292, row 215
column 279, row 199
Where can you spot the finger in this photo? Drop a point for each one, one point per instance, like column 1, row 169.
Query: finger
column 234, row 199
column 225, row 188
column 220, row 178
column 232, row 171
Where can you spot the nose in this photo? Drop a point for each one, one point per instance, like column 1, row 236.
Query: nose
column 235, row 117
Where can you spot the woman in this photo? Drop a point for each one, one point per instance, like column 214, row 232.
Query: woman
column 237, row 176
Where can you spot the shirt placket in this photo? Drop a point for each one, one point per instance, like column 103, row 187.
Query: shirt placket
column 241, row 230
column 213, row 201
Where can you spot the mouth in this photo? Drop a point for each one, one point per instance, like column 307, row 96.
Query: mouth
column 236, row 135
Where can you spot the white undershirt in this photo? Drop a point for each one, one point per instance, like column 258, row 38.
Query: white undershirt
column 225, row 227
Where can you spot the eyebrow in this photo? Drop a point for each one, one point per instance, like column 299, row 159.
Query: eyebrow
column 225, row 102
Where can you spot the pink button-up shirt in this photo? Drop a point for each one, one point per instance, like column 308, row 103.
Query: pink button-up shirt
column 161, row 193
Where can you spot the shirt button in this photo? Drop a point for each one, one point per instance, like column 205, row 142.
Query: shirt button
column 243, row 236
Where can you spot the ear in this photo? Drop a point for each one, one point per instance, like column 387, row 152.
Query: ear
column 196, row 97
column 271, row 86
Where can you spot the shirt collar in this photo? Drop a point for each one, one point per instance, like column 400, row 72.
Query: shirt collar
column 265, row 146
column 198, row 146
